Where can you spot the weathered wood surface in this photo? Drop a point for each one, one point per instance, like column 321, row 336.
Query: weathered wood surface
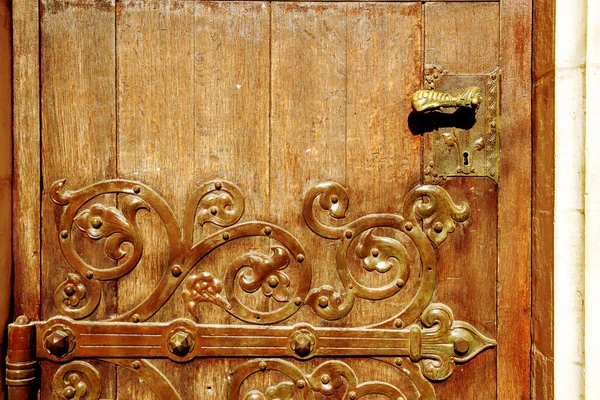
column 78, row 135
column 274, row 97
column 468, row 259
column 514, row 202
column 5, row 180
column 26, row 163
column 542, row 276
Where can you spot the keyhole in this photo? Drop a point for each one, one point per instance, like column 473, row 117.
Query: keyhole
column 466, row 157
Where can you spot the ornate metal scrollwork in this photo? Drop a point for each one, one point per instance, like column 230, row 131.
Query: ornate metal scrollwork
column 70, row 381
column 329, row 378
column 423, row 334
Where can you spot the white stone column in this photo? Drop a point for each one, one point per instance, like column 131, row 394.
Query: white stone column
column 592, row 204
column 569, row 218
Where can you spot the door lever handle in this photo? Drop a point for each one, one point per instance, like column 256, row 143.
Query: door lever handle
column 427, row 100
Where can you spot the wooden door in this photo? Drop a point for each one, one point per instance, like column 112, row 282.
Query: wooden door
column 239, row 200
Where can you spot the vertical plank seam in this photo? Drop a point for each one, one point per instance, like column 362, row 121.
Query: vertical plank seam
column 498, row 233
column 421, row 78
column 346, row 90
column 116, row 175
column 270, row 183
column 40, row 164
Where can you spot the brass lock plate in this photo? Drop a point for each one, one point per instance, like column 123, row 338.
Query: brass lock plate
column 461, row 141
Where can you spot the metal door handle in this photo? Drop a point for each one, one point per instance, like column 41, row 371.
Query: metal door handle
column 426, row 100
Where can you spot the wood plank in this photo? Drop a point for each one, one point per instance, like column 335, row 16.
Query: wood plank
column 155, row 135
column 231, row 86
column 514, row 201
column 308, row 122
column 5, row 178
column 462, row 37
column 383, row 158
column 26, row 152
column 467, row 261
column 78, row 131
column 542, row 285
column 207, row 63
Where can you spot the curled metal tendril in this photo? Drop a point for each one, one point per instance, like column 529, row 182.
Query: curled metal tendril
column 328, row 379
column 77, row 380
column 217, row 202
column 73, row 292
column 251, row 272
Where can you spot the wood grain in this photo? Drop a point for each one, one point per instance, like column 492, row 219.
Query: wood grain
column 514, row 202
column 468, row 259
column 308, row 121
column 467, row 263
column 383, row 158
column 78, row 132
column 155, row 135
column 26, row 163
column 462, row 37
column 208, row 63
column 542, row 284
column 5, row 180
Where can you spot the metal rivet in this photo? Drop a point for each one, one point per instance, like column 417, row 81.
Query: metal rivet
column 300, row 383
column 262, row 365
column 136, row 189
column 352, row 395
column 494, row 76
column 226, row 236
column 69, row 392
column 268, row 230
column 408, row 226
column 136, row 318
column 297, row 301
column 461, row 346
column 58, row 343
column 375, row 253
column 96, row 222
column 69, row 289
column 348, row 234
column 181, row 343
column 431, row 164
column 398, row 361
column 399, row 283
column 323, row 301
column 213, row 210
column 325, row 379
column 438, row 226
column 300, row 258
column 218, row 185
column 89, row 275
column 398, row 323
column 176, row 270
column 334, row 199
column 273, row 281
column 350, row 286
column 64, row 234
column 493, row 124
column 136, row 365
column 302, row 342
